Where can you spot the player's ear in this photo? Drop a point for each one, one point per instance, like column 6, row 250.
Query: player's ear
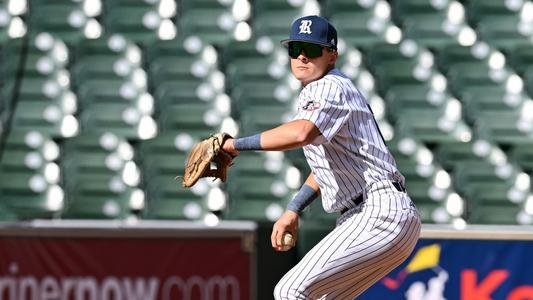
column 333, row 55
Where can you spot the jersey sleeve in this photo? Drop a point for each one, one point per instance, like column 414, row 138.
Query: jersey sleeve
column 322, row 103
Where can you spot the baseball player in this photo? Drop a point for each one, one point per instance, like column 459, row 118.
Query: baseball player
column 352, row 170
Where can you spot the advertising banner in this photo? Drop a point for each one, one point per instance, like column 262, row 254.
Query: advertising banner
column 124, row 268
column 461, row 270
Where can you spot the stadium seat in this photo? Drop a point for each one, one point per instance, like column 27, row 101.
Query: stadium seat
column 420, row 169
column 9, row 63
column 426, row 22
column 455, row 153
column 487, row 182
column 497, row 22
column 67, row 20
column 520, row 57
column 29, row 176
column 257, row 60
column 493, row 198
column 490, row 215
column 522, row 155
column 119, row 118
column 273, row 18
column 260, row 186
column 162, row 158
column 101, row 178
column 139, row 21
column 259, row 118
column 23, row 202
column 113, row 89
column 432, row 125
column 502, row 127
column 358, row 22
column 413, row 96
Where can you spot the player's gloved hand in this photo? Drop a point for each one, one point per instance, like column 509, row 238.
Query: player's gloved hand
column 288, row 222
column 205, row 153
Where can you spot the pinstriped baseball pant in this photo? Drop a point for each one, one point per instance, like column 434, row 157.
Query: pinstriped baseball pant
column 368, row 242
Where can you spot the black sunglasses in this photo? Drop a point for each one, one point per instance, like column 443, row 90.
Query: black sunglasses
column 311, row 50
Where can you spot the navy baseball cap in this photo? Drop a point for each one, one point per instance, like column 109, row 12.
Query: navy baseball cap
column 313, row 29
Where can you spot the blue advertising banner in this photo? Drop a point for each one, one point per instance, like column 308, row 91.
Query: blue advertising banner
column 461, row 270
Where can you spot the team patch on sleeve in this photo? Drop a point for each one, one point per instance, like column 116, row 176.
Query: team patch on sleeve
column 309, row 105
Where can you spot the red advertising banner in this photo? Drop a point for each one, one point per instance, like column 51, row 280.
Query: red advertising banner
column 124, row 268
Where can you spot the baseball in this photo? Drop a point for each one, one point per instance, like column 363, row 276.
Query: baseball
column 287, row 241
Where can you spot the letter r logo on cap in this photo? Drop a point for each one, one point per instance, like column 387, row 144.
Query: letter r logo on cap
column 305, row 26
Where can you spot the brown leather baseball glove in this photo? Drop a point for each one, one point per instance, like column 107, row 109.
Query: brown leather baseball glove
column 204, row 153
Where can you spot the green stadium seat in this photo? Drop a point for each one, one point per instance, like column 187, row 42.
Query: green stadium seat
column 105, row 91
column 96, row 207
column 357, row 22
column 119, row 118
column 495, row 214
column 207, row 25
column 497, row 22
column 171, row 207
column 487, row 97
column 413, row 96
column 520, row 57
column 395, row 65
column 96, row 180
column 432, row 126
column 67, row 20
column 28, row 174
column 455, row 153
column 522, row 155
column 97, row 66
column 260, row 118
column 46, row 117
column 255, row 61
column 166, row 198
column 258, row 188
column 502, row 127
column 528, row 80
column 273, row 18
column 419, row 167
column 426, row 22
column 24, row 193
column 484, row 182
column 139, row 21
column 501, row 31
column 183, row 91
column 256, row 95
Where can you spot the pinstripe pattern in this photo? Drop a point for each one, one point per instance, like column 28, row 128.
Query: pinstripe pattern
column 368, row 242
column 348, row 159
column 350, row 153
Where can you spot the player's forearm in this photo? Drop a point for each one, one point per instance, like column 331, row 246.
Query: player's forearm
column 310, row 181
column 291, row 135
column 305, row 196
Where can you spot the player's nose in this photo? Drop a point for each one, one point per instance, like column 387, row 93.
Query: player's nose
column 303, row 57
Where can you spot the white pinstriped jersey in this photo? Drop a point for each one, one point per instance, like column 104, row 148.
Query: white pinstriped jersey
column 350, row 154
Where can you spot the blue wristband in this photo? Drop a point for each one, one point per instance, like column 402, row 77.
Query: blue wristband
column 249, row 143
column 302, row 199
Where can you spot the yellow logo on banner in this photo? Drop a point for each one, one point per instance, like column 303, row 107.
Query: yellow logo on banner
column 425, row 258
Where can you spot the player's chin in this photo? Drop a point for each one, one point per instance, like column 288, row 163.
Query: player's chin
column 302, row 75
